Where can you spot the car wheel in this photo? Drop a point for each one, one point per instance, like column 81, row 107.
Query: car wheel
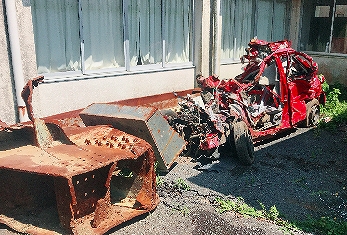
column 243, row 143
column 312, row 113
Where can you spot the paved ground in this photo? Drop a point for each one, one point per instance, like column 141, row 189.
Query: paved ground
column 302, row 173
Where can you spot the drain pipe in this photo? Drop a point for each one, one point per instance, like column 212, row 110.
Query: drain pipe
column 217, row 39
column 11, row 15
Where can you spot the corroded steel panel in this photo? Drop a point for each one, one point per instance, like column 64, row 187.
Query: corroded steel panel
column 145, row 122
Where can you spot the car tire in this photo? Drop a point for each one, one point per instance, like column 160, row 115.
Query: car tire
column 243, row 143
column 312, row 113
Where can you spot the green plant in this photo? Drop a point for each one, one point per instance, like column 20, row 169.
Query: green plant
column 323, row 225
column 302, row 182
column 241, row 207
column 238, row 206
column 273, row 213
column 184, row 211
column 320, row 192
column 181, row 184
column 316, row 152
column 335, row 109
column 159, row 180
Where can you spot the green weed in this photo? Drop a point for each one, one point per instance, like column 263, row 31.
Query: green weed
column 323, row 225
column 181, row 184
column 184, row 211
column 334, row 111
column 316, row 152
column 320, row 192
column 159, row 180
column 241, row 207
column 126, row 173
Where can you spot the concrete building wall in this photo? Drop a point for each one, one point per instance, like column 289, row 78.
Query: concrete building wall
column 58, row 97
column 332, row 67
column 7, row 102
column 202, row 37
column 26, row 38
column 228, row 71
column 294, row 23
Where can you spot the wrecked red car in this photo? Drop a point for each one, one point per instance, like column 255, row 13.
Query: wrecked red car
column 278, row 90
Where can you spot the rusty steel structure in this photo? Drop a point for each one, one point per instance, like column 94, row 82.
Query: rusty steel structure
column 62, row 176
column 146, row 122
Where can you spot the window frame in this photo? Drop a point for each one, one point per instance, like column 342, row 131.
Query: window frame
column 127, row 69
column 332, row 16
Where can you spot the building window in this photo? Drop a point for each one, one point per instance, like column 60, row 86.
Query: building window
column 243, row 20
column 102, row 34
column 271, row 19
column 56, row 30
column 324, row 26
column 236, row 27
column 93, row 36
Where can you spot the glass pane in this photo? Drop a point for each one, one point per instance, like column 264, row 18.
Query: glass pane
column 322, row 11
column 56, row 32
column 178, row 29
column 320, row 32
column 264, row 20
column 279, row 21
column 145, row 46
column 271, row 20
column 339, row 37
column 102, row 34
column 236, row 27
column 341, row 11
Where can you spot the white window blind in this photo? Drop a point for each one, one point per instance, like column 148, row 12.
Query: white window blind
column 92, row 36
column 56, row 30
column 242, row 20
column 102, row 34
column 236, row 27
column 178, row 30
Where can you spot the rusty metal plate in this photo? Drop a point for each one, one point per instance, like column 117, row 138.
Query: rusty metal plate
column 145, row 122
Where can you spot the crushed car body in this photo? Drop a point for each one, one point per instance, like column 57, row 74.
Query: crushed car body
column 63, row 176
column 278, row 90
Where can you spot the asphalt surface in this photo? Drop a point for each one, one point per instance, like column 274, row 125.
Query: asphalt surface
column 303, row 173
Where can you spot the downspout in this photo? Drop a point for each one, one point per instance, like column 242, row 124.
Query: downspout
column 332, row 27
column 217, row 37
column 17, row 66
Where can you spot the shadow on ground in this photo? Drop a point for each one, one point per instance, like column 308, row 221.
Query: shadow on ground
column 302, row 175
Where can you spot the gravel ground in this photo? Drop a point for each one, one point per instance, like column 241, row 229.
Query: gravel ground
column 303, row 173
